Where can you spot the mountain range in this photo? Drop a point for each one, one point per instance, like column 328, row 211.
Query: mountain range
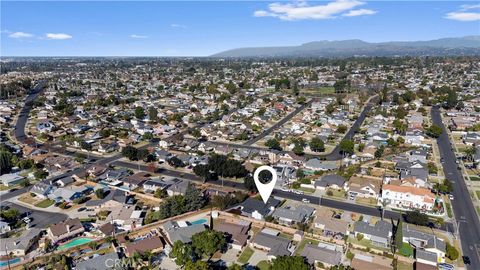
column 469, row 45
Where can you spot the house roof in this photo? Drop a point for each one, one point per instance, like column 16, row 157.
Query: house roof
column 20, row 242
column 329, row 180
column 381, row 229
column 183, row 234
column 66, row 226
column 238, row 232
column 298, row 214
column 426, row 255
column 93, row 263
column 141, row 246
column 250, row 205
column 278, row 245
column 319, row 254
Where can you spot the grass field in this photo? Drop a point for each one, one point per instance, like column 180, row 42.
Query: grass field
column 324, row 90
column 478, row 194
column 245, row 256
column 263, row 265
column 449, row 210
column 474, row 178
column 45, row 203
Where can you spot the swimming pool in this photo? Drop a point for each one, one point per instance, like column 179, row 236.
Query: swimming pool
column 12, row 261
column 74, row 243
column 198, row 221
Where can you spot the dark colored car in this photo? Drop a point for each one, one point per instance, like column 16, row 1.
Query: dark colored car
column 466, row 260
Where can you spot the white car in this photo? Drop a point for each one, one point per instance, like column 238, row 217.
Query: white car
column 305, row 200
column 451, row 197
column 26, row 220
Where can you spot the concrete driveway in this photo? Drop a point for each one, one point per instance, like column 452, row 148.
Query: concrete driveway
column 257, row 257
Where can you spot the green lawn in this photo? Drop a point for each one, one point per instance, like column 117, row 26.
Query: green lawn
column 307, row 190
column 325, row 90
column 245, row 256
column 478, row 194
column 406, row 250
column 45, row 203
column 263, row 265
column 474, row 178
column 302, row 244
column 449, row 210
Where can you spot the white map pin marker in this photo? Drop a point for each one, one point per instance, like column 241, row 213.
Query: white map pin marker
column 265, row 189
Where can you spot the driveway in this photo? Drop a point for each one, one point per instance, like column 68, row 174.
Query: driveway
column 257, row 257
column 230, row 256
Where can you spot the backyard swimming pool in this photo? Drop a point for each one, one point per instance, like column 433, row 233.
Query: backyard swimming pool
column 198, row 221
column 73, row 243
column 12, row 261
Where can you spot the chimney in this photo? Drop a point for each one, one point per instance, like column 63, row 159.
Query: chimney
column 68, row 228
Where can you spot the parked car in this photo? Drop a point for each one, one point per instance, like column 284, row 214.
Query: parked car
column 451, row 197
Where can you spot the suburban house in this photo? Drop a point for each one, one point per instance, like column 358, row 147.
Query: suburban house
column 153, row 244
column 177, row 187
column 65, row 230
column 114, row 198
column 237, row 233
column 180, row 231
column 424, row 241
column 126, row 217
column 366, row 187
column 270, row 241
column 325, row 255
column 69, row 194
column 41, row 190
column 11, row 179
column 291, row 216
column 408, row 197
column 108, row 261
column 330, row 181
column 257, row 209
column 20, row 245
column 330, row 225
column 379, row 234
column 369, row 261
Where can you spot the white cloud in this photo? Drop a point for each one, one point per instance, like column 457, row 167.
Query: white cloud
column 58, row 36
column 174, row 25
column 467, row 7
column 359, row 12
column 138, row 36
column 20, row 35
column 301, row 10
column 465, row 14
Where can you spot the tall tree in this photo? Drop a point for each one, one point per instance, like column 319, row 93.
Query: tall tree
column 5, row 162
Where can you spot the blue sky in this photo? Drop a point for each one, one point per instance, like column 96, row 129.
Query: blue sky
column 154, row 28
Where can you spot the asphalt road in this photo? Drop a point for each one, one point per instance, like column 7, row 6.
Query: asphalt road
column 279, row 123
column 40, row 219
column 19, row 131
column 336, row 153
column 356, row 208
column 463, row 208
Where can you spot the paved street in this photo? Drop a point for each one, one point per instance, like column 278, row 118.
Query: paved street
column 352, row 207
column 41, row 219
column 463, row 208
column 279, row 123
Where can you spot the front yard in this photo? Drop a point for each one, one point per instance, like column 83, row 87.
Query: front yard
column 45, row 203
column 245, row 256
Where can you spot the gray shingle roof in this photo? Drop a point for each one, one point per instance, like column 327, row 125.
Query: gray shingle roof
column 324, row 255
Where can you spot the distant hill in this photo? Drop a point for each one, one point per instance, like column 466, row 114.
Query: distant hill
column 469, row 45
